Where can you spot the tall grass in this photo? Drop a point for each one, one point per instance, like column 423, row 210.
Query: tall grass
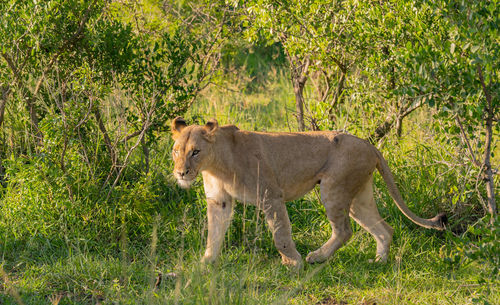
column 146, row 247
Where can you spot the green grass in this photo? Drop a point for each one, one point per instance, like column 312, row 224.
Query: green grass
column 272, row 108
column 249, row 272
column 122, row 267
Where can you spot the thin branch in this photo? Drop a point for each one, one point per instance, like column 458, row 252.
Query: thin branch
column 385, row 127
column 472, row 156
column 485, row 90
column 328, row 87
column 85, row 117
column 11, row 65
column 107, row 139
column 303, row 71
column 132, row 135
column 409, row 110
column 145, row 127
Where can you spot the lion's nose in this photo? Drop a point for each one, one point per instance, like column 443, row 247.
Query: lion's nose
column 183, row 173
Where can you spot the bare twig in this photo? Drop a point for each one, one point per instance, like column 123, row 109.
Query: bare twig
column 107, row 139
column 132, row 135
column 144, row 128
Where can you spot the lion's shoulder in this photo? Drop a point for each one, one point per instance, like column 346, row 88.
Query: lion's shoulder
column 230, row 128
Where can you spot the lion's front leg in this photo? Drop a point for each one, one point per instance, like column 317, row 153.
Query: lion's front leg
column 279, row 224
column 219, row 218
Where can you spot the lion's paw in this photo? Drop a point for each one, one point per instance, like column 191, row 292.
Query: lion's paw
column 207, row 259
column 379, row 260
column 315, row 257
column 293, row 263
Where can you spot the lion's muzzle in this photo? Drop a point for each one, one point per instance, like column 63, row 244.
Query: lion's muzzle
column 185, row 184
column 185, row 178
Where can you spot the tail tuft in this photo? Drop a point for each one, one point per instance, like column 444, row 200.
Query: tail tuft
column 441, row 220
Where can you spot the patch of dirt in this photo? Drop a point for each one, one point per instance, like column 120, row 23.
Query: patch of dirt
column 332, row 301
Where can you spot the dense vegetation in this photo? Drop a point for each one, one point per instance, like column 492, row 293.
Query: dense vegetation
column 89, row 211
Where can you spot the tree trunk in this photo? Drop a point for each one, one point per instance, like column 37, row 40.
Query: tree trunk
column 298, row 90
column 298, row 74
column 390, row 122
column 107, row 139
column 30, row 98
column 490, row 184
column 399, row 126
column 30, row 103
column 145, row 150
column 381, row 130
column 488, row 172
column 3, row 102
column 299, row 78
column 339, row 93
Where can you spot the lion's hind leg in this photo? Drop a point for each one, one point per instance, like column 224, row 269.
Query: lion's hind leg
column 336, row 202
column 364, row 211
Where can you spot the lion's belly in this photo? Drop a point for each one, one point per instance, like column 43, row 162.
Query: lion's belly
column 242, row 193
column 296, row 191
column 248, row 193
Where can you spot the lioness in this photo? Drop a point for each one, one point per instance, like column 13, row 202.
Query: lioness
column 268, row 169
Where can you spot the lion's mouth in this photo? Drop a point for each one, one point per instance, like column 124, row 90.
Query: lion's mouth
column 185, row 183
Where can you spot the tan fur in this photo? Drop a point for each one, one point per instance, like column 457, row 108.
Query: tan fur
column 268, row 169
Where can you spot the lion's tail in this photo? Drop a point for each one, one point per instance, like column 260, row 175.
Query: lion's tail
column 438, row 222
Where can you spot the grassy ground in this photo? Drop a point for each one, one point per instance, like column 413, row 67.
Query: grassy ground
column 249, row 271
column 162, row 265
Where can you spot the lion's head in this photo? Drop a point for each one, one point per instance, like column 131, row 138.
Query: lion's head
column 192, row 149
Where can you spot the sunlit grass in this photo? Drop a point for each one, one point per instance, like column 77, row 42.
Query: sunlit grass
column 73, row 269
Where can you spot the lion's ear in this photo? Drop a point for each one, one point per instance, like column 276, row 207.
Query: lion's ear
column 178, row 124
column 210, row 127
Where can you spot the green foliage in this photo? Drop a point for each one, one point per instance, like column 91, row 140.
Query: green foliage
column 478, row 244
column 457, row 38
column 89, row 212
column 254, row 63
column 158, row 73
column 92, row 79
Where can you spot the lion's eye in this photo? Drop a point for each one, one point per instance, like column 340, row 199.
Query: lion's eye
column 195, row 152
column 175, row 152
